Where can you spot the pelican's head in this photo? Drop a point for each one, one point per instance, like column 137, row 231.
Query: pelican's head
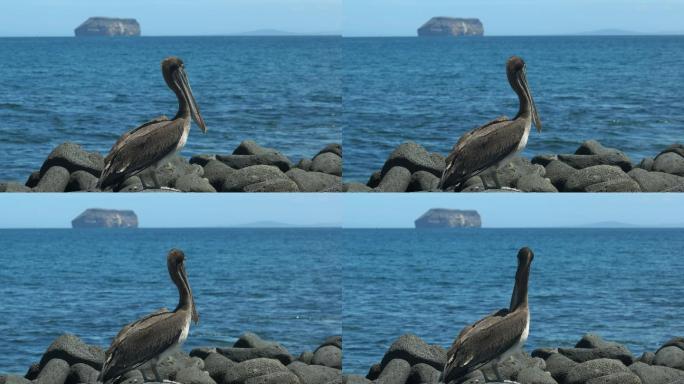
column 175, row 262
column 525, row 257
column 173, row 70
column 517, row 77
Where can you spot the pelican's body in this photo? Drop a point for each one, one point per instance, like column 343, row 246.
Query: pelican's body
column 151, row 144
column 496, row 336
column 494, row 144
column 154, row 336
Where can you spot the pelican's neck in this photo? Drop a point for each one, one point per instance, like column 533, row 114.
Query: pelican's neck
column 183, row 107
column 519, row 297
column 518, row 86
column 184, row 294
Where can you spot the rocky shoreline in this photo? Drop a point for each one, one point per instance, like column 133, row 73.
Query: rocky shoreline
column 592, row 168
column 250, row 168
column 409, row 168
column 251, row 360
column 410, row 360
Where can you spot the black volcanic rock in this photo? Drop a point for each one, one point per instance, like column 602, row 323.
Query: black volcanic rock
column 68, row 360
column 106, row 26
column 105, row 218
column 414, row 350
column 451, row 26
column 449, row 218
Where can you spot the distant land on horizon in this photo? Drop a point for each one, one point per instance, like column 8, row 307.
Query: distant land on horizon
column 277, row 32
column 253, row 33
column 597, row 225
column 280, row 33
column 601, row 32
column 619, row 224
column 281, row 225
column 278, row 224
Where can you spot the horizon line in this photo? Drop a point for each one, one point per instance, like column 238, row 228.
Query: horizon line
column 342, row 35
column 575, row 34
column 227, row 227
column 589, row 226
column 313, row 226
column 239, row 34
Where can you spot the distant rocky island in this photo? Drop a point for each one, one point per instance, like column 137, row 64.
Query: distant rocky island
column 105, row 218
column 451, row 26
column 106, row 26
column 449, row 218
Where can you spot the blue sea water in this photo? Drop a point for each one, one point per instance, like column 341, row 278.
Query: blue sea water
column 282, row 92
column 283, row 284
column 298, row 93
column 624, row 91
column 624, row 284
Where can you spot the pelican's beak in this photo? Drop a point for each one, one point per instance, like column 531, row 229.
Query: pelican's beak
column 195, row 316
column 184, row 85
column 526, row 87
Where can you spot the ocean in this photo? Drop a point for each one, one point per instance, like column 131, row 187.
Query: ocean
column 297, row 94
column 298, row 286
column 283, row 284
column 624, row 284
column 623, row 91
column 282, row 92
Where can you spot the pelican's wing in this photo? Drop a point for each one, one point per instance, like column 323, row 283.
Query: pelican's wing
column 123, row 137
column 483, row 341
column 140, row 148
column 140, row 322
column 139, row 342
column 480, row 149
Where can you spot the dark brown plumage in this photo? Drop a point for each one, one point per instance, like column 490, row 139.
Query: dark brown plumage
column 496, row 335
column 492, row 145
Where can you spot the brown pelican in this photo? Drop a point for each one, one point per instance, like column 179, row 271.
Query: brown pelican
column 494, row 144
column 498, row 335
column 155, row 141
column 154, row 336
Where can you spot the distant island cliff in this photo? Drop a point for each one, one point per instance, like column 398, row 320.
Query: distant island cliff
column 451, row 26
column 106, row 26
column 105, row 218
column 449, row 218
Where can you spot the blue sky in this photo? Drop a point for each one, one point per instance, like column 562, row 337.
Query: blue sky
column 514, row 17
column 164, row 210
column 352, row 17
column 352, row 210
column 172, row 17
column 517, row 210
